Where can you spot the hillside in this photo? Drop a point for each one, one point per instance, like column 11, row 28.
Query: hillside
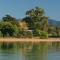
column 54, row 22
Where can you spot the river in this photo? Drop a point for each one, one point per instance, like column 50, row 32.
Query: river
column 31, row 51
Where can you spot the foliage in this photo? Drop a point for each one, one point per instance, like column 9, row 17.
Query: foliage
column 34, row 24
column 15, row 31
column 29, row 34
column 54, row 35
column 36, row 33
column 1, row 35
column 10, row 19
column 36, row 19
column 6, row 29
column 25, row 33
column 54, row 31
column 43, row 34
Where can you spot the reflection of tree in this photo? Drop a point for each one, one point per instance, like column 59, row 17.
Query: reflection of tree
column 30, row 51
column 37, row 52
column 25, row 48
column 55, row 45
column 6, row 45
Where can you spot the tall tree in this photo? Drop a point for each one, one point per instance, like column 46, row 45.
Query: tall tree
column 10, row 19
column 36, row 19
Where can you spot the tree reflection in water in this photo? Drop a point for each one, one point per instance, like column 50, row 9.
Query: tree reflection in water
column 33, row 51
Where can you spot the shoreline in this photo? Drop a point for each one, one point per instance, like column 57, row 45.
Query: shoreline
column 33, row 40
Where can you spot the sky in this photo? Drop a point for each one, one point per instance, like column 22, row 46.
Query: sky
column 17, row 8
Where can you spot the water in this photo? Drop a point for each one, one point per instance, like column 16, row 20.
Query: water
column 30, row 51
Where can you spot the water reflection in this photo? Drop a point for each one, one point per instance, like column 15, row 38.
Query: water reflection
column 30, row 51
column 38, row 52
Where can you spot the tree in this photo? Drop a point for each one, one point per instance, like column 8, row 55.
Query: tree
column 35, row 12
column 6, row 29
column 10, row 19
column 15, row 31
column 58, row 31
column 36, row 19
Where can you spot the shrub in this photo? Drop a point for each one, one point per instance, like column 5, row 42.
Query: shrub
column 1, row 35
column 25, row 34
column 54, row 35
column 15, row 31
column 43, row 34
column 40, row 34
column 29, row 34
column 36, row 33
column 20, row 33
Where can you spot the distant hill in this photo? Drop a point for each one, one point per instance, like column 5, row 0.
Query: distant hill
column 54, row 22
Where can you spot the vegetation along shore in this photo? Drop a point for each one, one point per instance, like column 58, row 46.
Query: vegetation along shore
column 35, row 24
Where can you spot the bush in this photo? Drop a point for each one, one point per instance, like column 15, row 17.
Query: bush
column 1, row 35
column 40, row 34
column 43, row 34
column 36, row 33
column 54, row 35
column 20, row 33
column 29, row 34
column 15, row 31
column 25, row 34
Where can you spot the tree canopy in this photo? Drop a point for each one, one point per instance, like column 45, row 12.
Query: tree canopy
column 36, row 19
column 35, row 23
